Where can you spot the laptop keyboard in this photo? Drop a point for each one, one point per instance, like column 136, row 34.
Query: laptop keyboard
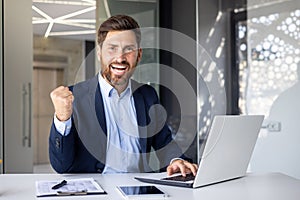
column 188, row 177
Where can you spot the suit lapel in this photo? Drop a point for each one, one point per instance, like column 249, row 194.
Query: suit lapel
column 96, row 101
column 99, row 106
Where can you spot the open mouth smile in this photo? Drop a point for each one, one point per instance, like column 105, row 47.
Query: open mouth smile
column 118, row 69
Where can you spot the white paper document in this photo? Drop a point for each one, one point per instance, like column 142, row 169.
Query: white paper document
column 82, row 186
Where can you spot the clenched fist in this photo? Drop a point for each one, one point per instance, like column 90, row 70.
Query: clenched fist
column 62, row 99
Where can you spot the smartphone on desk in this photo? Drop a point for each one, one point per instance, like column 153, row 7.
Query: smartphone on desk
column 142, row 192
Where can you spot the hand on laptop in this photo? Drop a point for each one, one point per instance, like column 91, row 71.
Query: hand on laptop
column 182, row 166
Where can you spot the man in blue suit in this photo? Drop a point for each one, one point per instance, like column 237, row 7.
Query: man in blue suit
column 110, row 123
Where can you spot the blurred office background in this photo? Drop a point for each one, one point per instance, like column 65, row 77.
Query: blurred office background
column 243, row 58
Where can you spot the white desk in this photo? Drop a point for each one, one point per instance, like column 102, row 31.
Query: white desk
column 271, row 186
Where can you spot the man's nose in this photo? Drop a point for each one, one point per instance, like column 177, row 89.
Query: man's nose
column 121, row 57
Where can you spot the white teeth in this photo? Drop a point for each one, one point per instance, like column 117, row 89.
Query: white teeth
column 118, row 66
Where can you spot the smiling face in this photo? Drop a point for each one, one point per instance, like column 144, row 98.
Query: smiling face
column 119, row 55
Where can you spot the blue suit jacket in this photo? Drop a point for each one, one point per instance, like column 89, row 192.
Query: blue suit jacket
column 84, row 149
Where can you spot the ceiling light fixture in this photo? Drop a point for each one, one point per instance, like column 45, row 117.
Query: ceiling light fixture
column 66, row 19
column 73, row 3
column 61, row 33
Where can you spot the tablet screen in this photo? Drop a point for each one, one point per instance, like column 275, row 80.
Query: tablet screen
column 145, row 191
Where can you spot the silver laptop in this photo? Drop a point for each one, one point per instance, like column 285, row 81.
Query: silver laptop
column 226, row 154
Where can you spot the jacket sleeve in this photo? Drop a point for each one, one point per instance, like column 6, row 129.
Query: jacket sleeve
column 61, row 149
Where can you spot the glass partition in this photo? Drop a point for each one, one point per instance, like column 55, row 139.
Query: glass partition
column 268, row 52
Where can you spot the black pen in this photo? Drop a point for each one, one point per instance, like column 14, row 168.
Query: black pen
column 59, row 185
column 82, row 192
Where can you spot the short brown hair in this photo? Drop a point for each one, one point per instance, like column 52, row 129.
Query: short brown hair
column 118, row 23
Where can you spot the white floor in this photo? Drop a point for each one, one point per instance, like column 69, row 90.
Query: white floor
column 43, row 169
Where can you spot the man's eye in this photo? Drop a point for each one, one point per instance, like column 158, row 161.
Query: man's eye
column 112, row 48
column 129, row 49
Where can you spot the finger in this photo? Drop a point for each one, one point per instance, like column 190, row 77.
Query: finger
column 62, row 96
column 56, row 92
column 191, row 167
column 182, row 169
column 64, row 92
column 60, row 89
column 194, row 169
column 171, row 169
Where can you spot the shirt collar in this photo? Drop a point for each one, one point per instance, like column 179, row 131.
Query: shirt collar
column 107, row 89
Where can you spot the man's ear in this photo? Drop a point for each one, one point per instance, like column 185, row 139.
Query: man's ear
column 139, row 56
column 98, row 49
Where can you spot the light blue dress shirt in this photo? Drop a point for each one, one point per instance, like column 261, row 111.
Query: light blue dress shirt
column 123, row 147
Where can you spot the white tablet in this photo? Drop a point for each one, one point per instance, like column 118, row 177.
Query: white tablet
column 142, row 192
